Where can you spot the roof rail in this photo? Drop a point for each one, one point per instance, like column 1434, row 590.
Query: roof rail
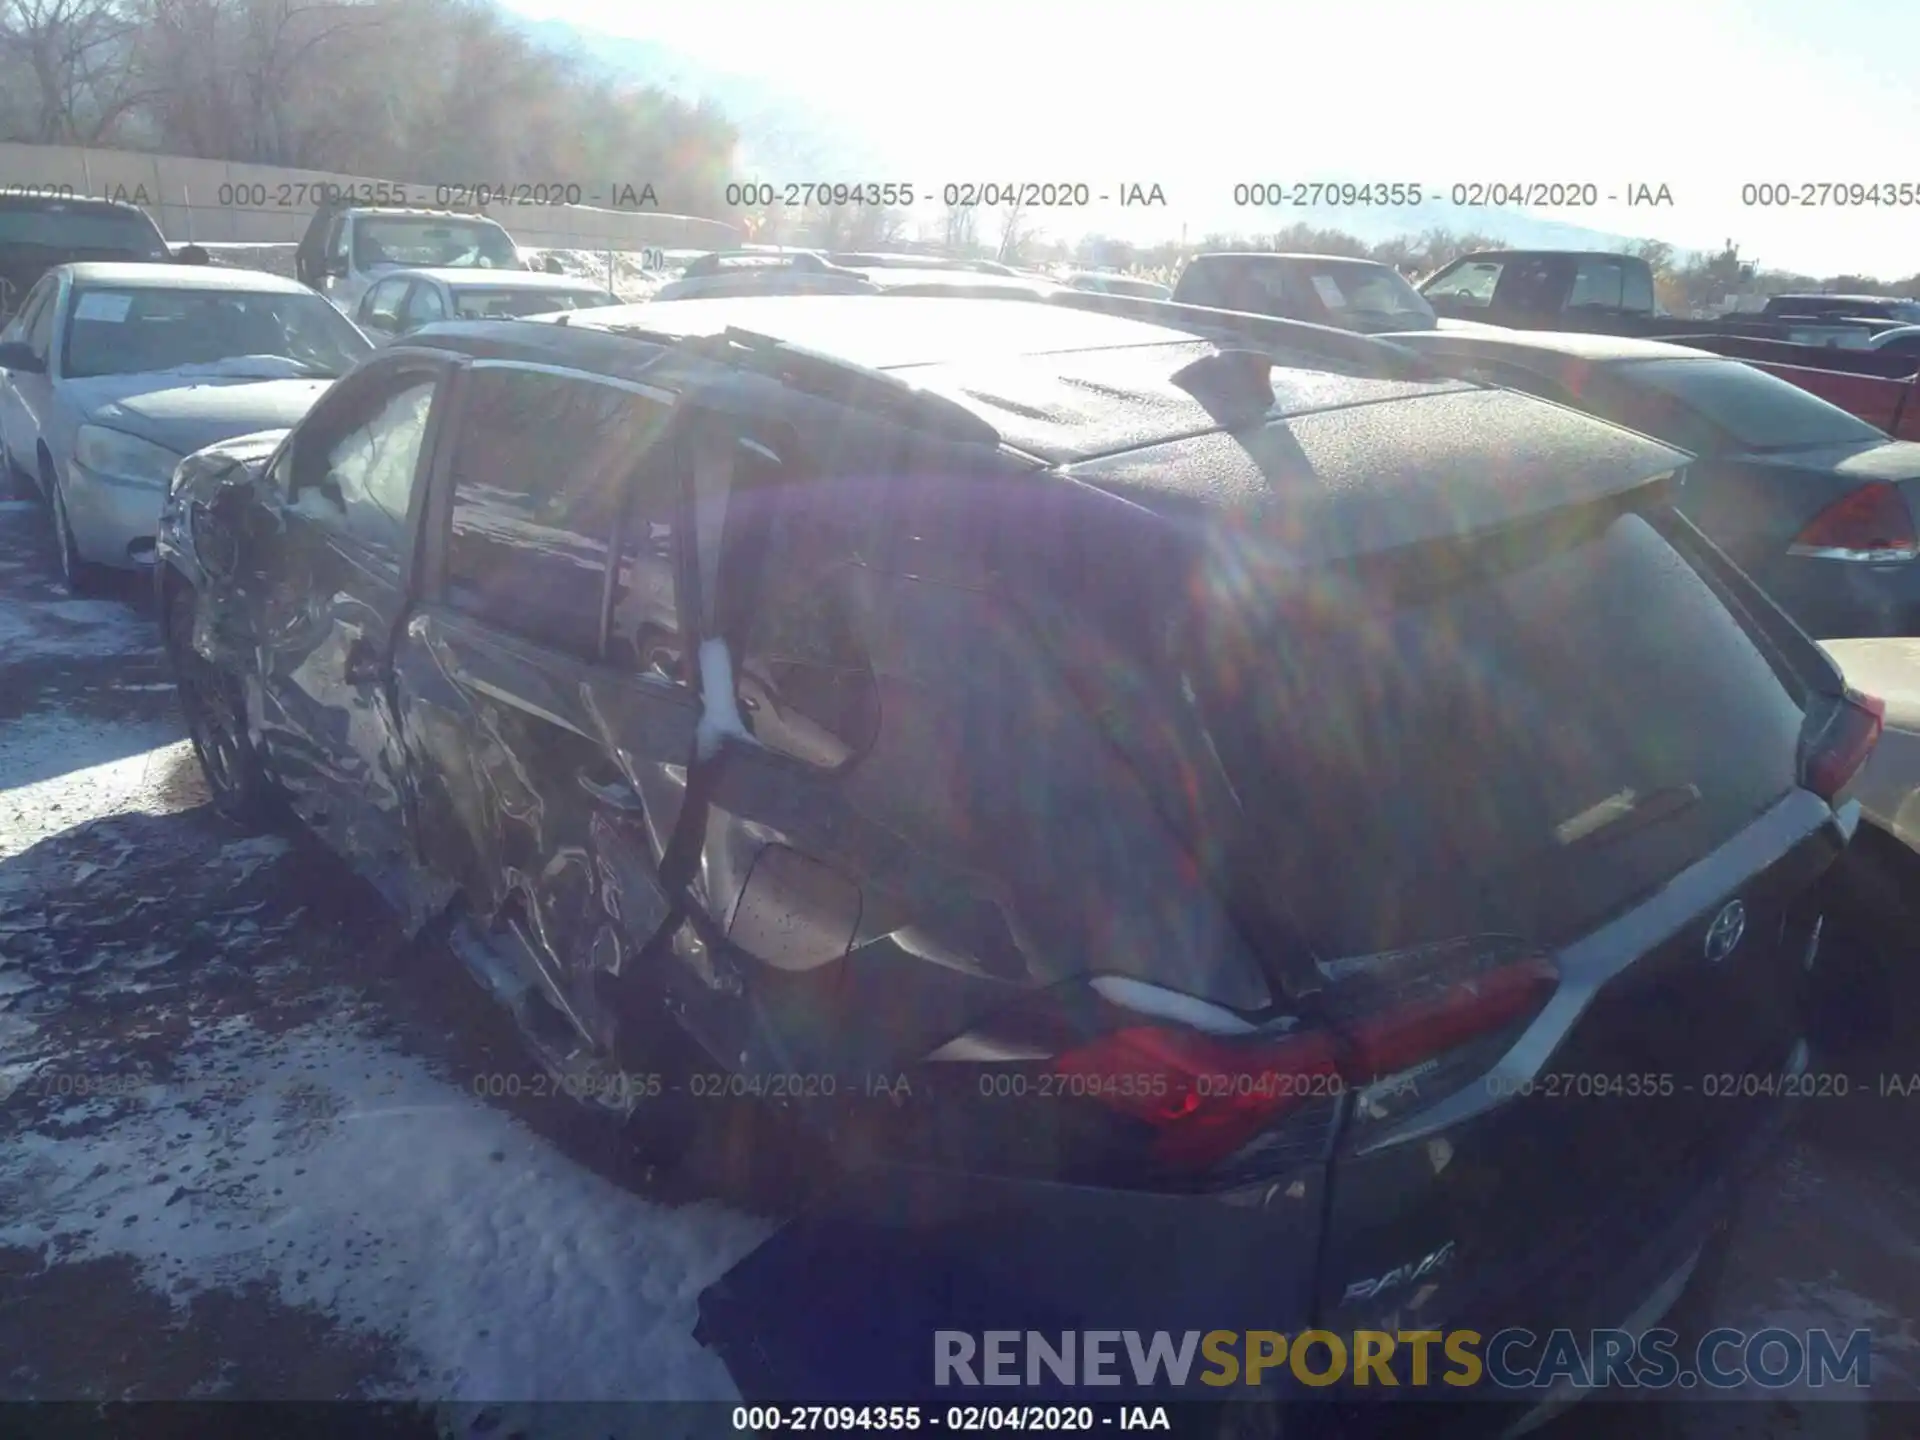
column 1378, row 357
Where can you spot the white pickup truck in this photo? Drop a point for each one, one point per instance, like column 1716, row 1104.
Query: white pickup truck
column 346, row 247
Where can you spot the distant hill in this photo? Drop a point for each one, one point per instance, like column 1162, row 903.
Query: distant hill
column 783, row 138
column 780, row 137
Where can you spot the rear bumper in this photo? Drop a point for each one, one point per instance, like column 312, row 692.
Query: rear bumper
column 900, row 1255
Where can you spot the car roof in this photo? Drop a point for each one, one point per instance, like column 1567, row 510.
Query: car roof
column 1292, row 256
column 907, row 331
column 1597, row 349
column 409, row 212
column 889, row 277
column 1097, row 395
column 1504, row 254
column 473, row 277
column 132, row 275
column 90, row 204
column 1055, row 382
column 1851, row 299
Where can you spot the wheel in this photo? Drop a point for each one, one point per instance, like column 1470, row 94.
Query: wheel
column 81, row 577
column 216, row 723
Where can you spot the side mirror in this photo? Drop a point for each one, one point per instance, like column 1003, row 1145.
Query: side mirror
column 334, row 267
column 17, row 355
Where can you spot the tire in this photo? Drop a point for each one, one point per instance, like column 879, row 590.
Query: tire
column 216, row 723
column 80, row 576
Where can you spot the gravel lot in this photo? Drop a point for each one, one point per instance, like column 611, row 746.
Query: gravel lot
column 305, row 1197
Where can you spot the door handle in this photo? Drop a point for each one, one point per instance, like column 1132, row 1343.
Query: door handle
column 617, row 794
column 363, row 665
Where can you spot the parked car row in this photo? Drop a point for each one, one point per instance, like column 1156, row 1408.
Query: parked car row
column 1278, row 744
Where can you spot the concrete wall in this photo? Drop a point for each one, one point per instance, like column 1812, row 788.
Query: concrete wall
column 214, row 200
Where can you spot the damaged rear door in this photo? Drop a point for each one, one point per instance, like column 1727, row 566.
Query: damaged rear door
column 539, row 712
column 332, row 572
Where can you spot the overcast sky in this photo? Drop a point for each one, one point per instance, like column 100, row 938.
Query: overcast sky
column 1701, row 95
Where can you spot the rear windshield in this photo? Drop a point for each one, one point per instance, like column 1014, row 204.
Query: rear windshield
column 58, row 229
column 429, row 243
column 1701, row 405
column 1419, row 764
column 1368, row 297
column 484, row 304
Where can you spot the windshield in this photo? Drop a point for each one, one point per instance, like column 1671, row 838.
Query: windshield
column 494, row 304
column 431, row 243
column 1416, row 754
column 1470, row 282
column 1702, row 405
column 1125, row 285
column 127, row 332
column 131, row 235
column 1330, row 291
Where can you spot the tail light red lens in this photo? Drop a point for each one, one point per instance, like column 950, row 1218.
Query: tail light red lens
column 1207, row 1097
column 1871, row 524
column 1845, row 745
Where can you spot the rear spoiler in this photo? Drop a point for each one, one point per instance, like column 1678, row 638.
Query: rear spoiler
column 1236, row 328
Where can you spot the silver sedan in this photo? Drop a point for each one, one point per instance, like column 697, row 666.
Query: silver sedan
column 110, row 373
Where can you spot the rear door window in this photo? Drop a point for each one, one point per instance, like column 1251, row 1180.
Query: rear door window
column 1598, row 284
column 1441, row 751
column 541, row 469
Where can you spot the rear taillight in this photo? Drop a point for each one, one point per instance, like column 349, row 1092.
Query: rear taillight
column 1871, row 524
column 1843, row 747
column 1206, row 1097
column 1203, row 1097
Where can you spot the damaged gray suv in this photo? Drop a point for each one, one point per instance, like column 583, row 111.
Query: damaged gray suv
column 1135, row 781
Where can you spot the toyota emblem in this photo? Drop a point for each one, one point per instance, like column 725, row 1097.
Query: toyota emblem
column 1725, row 932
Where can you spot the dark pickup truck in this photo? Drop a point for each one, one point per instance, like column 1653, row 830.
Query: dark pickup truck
column 1807, row 340
column 1602, row 292
column 38, row 232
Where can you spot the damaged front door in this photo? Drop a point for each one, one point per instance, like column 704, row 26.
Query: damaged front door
column 334, row 576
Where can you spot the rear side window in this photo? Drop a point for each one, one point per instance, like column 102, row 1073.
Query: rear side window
column 806, row 676
column 540, row 473
column 1599, row 284
column 1426, row 755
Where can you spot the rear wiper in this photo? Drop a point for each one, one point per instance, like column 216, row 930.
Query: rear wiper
column 1613, row 819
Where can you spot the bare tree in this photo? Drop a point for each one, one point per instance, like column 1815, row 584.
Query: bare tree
column 1013, row 232
column 959, row 229
column 71, row 56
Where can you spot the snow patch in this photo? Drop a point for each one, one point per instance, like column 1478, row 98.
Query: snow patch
column 58, row 797
column 351, row 1179
column 74, row 629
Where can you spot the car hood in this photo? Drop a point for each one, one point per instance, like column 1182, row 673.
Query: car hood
column 185, row 413
column 1469, row 327
column 1892, row 460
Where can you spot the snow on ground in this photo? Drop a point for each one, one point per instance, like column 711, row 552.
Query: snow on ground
column 54, row 628
column 353, row 1180
column 286, row 1137
column 241, row 1145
